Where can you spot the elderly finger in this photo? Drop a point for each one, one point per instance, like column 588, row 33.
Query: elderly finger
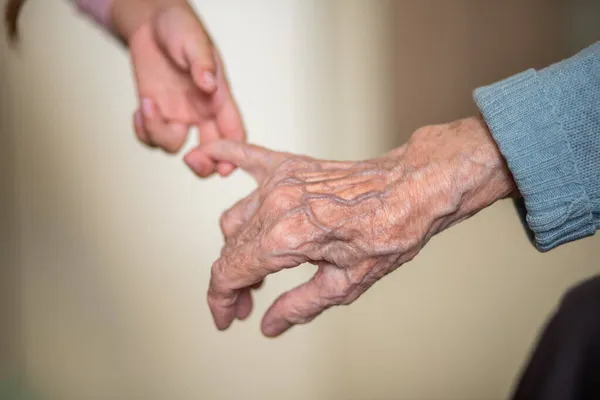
column 243, row 307
column 257, row 161
column 244, row 303
column 237, row 269
column 231, row 222
column 200, row 163
column 209, row 131
column 230, row 276
column 234, row 218
column 328, row 287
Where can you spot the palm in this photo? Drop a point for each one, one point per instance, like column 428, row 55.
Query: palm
column 160, row 50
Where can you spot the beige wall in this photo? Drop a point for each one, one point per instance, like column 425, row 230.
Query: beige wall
column 9, row 284
column 107, row 278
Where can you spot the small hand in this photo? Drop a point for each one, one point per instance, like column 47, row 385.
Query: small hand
column 357, row 221
column 181, row 83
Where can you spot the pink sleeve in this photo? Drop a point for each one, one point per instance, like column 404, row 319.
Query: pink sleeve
column 98, row 10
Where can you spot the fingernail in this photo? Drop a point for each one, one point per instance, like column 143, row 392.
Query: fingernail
column 209, row 80
column 147, row 107
column 138, row 119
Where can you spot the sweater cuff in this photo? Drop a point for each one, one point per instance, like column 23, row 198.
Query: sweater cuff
column 97, row 10
column 523, row 122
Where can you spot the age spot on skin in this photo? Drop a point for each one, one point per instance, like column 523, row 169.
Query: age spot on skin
column 455, row 125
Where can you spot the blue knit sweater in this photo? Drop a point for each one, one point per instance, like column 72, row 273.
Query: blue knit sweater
column 547, row 126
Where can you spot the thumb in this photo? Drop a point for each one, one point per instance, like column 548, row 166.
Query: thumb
column 257, row 161
column 180, row 33
column 202, row 65
column 304, row 303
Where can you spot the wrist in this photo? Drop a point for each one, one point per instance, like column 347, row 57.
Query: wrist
column 449, row 172
column 479, row 168
column 128, row 16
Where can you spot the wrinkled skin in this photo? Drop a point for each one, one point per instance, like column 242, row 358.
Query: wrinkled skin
column 357, row 221
column 181, row 83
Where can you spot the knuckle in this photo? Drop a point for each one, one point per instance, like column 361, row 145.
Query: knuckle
column 280, row 198
column 210, row 299
column 299, row 315
column 217, row 276
column 292, row 164
column 226, row 223
column 410, row 243
column 283, row 236
column 346, row 301
column 218, row 295
column 335, row 288
column 219, row 301
column 295, row 316
column 290, row 232
column 337, row 297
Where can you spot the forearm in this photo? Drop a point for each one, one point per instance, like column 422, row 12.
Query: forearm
column 478, row 168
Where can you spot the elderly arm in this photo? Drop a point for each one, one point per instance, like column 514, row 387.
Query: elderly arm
column 360, row 221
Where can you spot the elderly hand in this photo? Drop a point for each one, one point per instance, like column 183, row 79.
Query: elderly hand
column 357, row 221
column 181, row 83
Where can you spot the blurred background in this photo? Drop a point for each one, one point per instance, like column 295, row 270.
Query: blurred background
column 106, row 246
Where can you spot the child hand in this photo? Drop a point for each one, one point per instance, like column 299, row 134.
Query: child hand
column 181, row 83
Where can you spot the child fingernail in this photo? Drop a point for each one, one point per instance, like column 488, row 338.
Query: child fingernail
column 209, row 80
column 138, row 119
column 147, row 107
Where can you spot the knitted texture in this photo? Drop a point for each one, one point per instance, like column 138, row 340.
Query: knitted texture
column 98, row 10
column 547, row 126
